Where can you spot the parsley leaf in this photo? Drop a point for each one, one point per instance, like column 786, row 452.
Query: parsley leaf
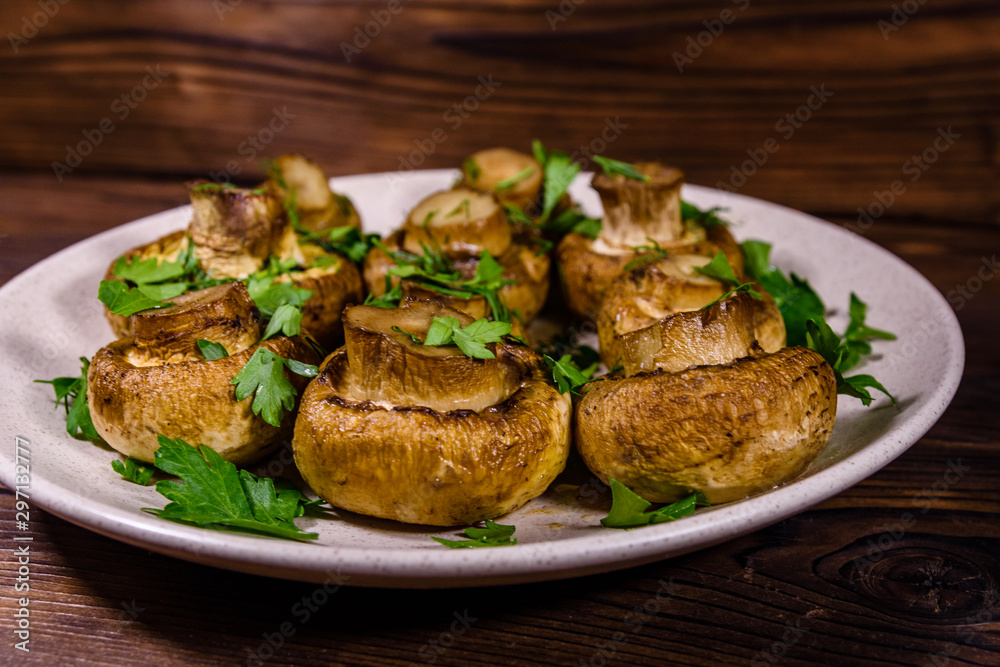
column 628, row 509
column 493, row 535
column 212, row 494
column 134, row 471
column 263, row 375
column 471, row 340
column 347, row 241
column 616, row 167
column 653, row 252
column 67, row 389
column 123, row 300
column 795, row 298
column 389, row 299
column 805, row 323
column 287, row 319
column 212, row 351
column 471, row 168
column 508, row 183
column 858, row 334
column 143, row 271
column 567, row 375
column 821, row 338
column 719, row 269
column 690, row 212
column 559, row 171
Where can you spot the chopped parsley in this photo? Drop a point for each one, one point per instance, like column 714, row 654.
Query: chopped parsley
column 72, row 393
column 212, row 494
column 263, row 376
column 629, row 510
column 493, row 535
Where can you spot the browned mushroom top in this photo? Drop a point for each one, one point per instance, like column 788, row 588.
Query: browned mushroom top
column 459, row 222
column 388, row 367
column 514, row 177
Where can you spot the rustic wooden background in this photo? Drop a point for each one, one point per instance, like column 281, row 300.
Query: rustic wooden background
column 783, row 595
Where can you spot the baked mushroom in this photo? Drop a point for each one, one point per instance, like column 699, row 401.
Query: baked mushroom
column 667, row 285
column 301, row 184
column 158, row 381
column 514, row 177
column 236, row 232
column 457, row 227
column 701, row 407
column 422, row 434
column 636, row 214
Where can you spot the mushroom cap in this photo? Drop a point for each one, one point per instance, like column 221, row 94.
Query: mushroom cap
column 418, row 465
column 728, row 430
column 156, row 383
column 318, row 206
column 640, row 298
column 334, row 286
column 588, row 266
column 521, row 263
column 459, row 222
column 493, row 166
column 636, row 210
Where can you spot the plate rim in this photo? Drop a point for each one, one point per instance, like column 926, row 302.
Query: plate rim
column 603, row 551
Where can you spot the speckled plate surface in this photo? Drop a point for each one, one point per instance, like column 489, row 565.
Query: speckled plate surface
column 559, row 533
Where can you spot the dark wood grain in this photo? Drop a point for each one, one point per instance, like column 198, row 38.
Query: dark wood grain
column 224, row 76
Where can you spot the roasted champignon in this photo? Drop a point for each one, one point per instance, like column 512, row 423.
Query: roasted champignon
column 296, row 179
column 636, row 213
column 158, row 381
column 461, row 224
column 701, row 407
column 641, row 297
column 423, row 434
column 235, row 232
column 514, row 177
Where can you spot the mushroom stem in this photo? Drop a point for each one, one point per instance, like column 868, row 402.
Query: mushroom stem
column 235, row 230
column 635, row 211
column 514, row 177
column 458, row 221
column 389, row 368
column 223, row 314
column 712, row 336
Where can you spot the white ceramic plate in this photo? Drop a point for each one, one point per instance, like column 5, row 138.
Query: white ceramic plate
column 49, row 316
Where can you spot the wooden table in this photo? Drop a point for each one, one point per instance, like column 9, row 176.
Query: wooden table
column 785, row 595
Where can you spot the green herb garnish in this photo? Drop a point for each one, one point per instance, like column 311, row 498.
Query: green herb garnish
column 212, row 351
column 703, row 218
column 653, row 252
column 471, row 340
column 124, row 300
column 264, row 377
column 628, row 509
column 134, row 471
column 805, row 322
column 72, row 393
column 567, row 374
column 213, row 494
column 493, row 535
column 508, row 183
column 616, row 167
column 472, row 169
